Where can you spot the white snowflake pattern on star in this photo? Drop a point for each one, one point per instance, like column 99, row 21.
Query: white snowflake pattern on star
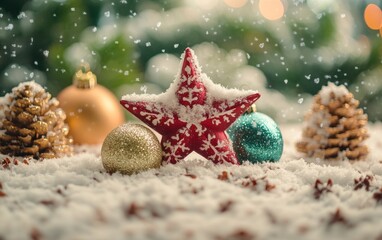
column 220, row 152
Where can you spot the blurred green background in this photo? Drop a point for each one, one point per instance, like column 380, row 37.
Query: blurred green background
column 135, row 45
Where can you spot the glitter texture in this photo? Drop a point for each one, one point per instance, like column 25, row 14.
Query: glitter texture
column 131, row 148
column 256, row 138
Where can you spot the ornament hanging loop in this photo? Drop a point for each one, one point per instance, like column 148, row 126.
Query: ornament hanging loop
column 84, row 78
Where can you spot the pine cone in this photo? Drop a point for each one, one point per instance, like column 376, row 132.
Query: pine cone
column 32, row 124
column 335, row 128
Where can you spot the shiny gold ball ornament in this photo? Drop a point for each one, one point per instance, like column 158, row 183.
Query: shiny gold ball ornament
column 92, row 110
column 131, row 148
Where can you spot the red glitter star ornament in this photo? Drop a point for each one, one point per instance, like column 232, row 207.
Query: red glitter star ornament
column 192, row 114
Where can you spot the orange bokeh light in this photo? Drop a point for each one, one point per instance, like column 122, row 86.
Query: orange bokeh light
column 271, row 9
column 373, row 16
column 235, row 3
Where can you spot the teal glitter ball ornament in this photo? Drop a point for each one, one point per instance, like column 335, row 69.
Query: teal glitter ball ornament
column 256, row 138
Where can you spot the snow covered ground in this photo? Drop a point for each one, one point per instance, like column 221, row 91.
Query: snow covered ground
column 74, row 198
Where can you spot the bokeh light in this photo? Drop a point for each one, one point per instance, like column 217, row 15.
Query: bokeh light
column 203, row 4
column 235, row 3
column 271, row 9
column 319, row 6
column 373, row 17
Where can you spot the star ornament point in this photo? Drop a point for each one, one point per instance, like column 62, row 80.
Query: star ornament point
column 193, row 114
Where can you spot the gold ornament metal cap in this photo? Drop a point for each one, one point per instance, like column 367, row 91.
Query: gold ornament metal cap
column 84, row 78
column 251, row 109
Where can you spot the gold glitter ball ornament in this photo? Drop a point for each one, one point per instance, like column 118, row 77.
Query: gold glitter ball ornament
column 131, row 148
